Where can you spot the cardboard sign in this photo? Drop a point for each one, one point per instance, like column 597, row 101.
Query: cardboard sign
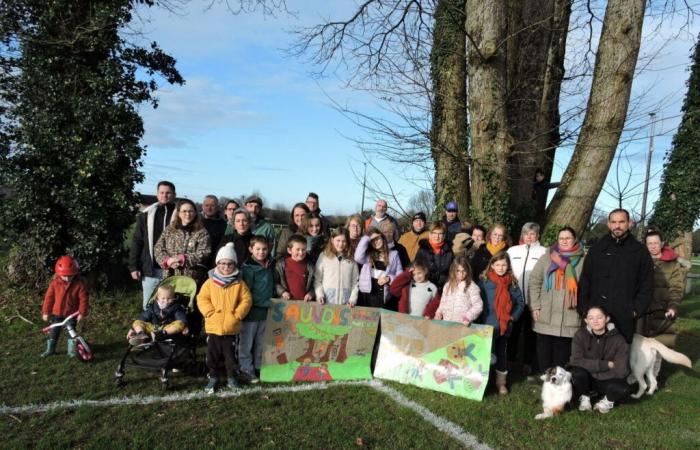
column 435, row 354
column 313, row 342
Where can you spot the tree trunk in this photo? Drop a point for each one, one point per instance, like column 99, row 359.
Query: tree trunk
column 448, row 136
column 605, row 115
column 536, row 47
column 490, row 138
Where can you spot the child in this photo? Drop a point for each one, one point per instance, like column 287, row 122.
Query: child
column 224, row 301
column 379, row 268
column 503, row 304
column 161, row 318
column 294, row 275
column 600, row 362
column 416, row 293
column 336, row 275
column 259, row 276
column 66, row 294
column 315, row 241
column 461, row 297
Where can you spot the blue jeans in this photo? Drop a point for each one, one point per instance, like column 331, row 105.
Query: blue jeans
column 251, row 346
column 150, row 284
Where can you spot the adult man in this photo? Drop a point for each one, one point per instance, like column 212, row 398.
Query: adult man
column 149, row 226
column 380, row 215
column 522, row 260
column 451, row 221
column 214, row 224
column 417, row 232
column 618, row 274
column 313, row 205
column 258, row 224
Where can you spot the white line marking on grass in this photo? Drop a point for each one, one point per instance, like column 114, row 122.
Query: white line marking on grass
column 438, row 422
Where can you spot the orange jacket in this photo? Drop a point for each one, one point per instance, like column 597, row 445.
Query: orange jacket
column 63, row 298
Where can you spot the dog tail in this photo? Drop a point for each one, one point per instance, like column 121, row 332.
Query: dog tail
column 669, row 355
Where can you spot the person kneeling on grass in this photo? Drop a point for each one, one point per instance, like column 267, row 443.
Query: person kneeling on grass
column 162, row 318
column 223, row 301
column 600, row 362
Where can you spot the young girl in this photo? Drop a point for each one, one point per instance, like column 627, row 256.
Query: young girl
column 461, row 298
column 336, row 275
column 600, row 360
column 417, row 295
column 313, row 231
column 379, row 268
column 503, row 304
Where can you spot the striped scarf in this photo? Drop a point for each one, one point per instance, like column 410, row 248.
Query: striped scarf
column 222, row 280
column 561, row 272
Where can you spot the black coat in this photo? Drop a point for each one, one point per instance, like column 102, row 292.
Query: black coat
column 619, row 276
column 140, row 256
column 480, row 261
column 438, row 264
column 240, row 245
column 216, row 228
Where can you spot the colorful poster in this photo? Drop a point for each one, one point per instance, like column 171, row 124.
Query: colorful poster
column 434, row 354
column 313, row 342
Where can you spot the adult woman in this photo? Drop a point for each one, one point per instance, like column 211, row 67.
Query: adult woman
column 658, row 321
column 553, row 287
column 389, row 231
column 240, row 236
column 229, row 209
column 495, row 243
column 436, row 254
column 380, row 266
column 354, row 226
column 296, row 218
column 184, row 244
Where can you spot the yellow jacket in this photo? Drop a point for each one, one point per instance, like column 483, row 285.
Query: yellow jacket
column 224, row 308
column 410, row 240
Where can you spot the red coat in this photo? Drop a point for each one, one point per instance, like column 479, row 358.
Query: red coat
column 401, row 287
column 64, row 298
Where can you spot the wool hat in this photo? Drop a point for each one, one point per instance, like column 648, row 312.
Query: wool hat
column 254, row 199
column 227, row 252
column 419, row 215
column 451, row 206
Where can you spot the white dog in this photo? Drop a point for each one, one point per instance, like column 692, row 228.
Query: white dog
column 556, row 392
column 645, row 360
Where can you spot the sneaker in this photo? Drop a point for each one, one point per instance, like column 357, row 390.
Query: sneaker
column 231, row 383
column 604, row 405
column 584, row 403
column 211, row 386
column 139, row 338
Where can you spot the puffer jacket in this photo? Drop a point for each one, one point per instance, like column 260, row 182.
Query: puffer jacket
column 438, row 264
column 190, row 247
column 335, row 279
column 461, row 303
column 592, row 352
column 522, row 261
column 63, row 298
column 555, row 319
column 162, row 317
column 224, row 308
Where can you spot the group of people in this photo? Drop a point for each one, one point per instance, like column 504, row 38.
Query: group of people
column 558, row 305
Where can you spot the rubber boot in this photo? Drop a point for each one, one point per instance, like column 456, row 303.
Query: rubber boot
column 50, row 348
column 501, row 378
column 71, row 348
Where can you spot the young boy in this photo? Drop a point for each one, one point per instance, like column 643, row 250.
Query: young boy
column 259, row 276
column 294, row 275
column 224, row 301
column 161, row 318
column 66, row 294
column 417, row 295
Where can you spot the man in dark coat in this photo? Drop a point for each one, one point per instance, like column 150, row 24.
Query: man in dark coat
column 618, row 274
column 214, row 224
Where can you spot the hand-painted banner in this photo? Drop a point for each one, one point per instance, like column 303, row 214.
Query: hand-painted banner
column 434, row 354
column 313, row 342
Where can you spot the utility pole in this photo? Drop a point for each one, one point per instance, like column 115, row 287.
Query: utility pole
column 364, row 183
column 646, row 179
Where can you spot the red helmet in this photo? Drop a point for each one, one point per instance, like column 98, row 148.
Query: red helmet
column 66, row 266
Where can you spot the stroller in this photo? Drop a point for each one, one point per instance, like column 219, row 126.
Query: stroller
column 175, row 352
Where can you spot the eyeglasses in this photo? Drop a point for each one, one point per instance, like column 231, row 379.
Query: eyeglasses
column 227, row 264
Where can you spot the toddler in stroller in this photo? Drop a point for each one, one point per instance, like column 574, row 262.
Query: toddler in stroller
column 160, row 340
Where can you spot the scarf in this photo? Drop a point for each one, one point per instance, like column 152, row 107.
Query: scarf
column 222, row 280
column 495, row 249
column 562, row 272
column 436, row 247
column 667, row 254
column 503, row 303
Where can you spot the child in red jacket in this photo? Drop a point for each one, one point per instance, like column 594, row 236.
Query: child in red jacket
column 417, row 295
column 67, row 294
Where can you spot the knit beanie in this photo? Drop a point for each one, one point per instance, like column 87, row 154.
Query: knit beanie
column 227, row 252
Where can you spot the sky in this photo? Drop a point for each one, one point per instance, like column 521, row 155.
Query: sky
column 251, row 117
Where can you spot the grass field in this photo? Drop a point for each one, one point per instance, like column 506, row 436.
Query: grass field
column 336, row 417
